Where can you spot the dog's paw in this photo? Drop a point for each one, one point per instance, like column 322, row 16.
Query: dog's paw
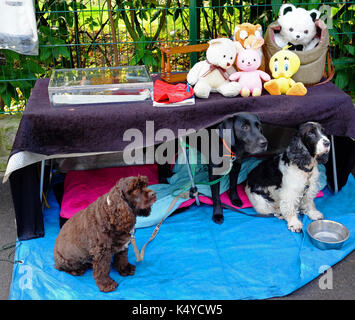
column 237, row 202
column 127, row 270
column 294, row 224
column 107, row 285
column 218, row 218
column 279, row 216
column 78, row 272
column 315, row 215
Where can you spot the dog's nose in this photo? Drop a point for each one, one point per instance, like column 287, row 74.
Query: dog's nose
column 326, row 143
column 228, row 64
column 298, row 36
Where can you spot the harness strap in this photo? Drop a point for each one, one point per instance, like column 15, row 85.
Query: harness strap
column 140, row 254
column 193, row 192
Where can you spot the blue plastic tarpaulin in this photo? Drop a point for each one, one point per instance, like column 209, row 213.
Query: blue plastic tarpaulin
column 194, row 258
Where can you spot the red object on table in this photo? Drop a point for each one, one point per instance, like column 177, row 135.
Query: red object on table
column 170, row 93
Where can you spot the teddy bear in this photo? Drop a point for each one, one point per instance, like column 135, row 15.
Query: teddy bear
column 212, row 74
column 283, row 65
column 243, row 31
column 248, row 61
column 298, row 28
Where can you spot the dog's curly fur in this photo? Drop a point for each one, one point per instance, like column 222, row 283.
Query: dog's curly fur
column 102, row 230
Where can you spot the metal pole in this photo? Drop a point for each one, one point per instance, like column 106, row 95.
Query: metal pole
column 335, row 175
column 41, row 181
column 76, row 30
column 189, row 171
column 193, row 30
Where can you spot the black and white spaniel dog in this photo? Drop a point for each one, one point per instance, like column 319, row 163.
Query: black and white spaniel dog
column 288, row 182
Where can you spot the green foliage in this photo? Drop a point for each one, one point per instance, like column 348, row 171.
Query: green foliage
column 79, row 34
column 343, row 46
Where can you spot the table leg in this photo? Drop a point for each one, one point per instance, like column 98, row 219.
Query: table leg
column 41, row 180
column 335, row 176
column 189, row 171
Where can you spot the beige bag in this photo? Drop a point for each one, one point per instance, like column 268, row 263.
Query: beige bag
column 313, row 62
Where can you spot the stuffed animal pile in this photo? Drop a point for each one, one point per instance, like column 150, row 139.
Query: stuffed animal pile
column 217, row 73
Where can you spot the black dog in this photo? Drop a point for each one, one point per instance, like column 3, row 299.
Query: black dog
column 245, row 138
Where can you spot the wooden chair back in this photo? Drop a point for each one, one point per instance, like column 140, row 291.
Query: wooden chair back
column 167, row 52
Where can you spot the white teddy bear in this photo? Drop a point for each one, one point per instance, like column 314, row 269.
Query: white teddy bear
column 297, row 28
column 212, row 74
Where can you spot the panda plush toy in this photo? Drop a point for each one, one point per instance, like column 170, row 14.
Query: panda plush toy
column 298, row 28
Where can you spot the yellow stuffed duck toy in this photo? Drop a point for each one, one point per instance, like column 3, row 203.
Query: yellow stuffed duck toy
column 283, row 65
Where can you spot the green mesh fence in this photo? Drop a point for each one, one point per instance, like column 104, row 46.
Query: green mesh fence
column 96, row 33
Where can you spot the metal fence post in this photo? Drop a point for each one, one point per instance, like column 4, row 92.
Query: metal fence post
column 76, row 28
column 193, row 30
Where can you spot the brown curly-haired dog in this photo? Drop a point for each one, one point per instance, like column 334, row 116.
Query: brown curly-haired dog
column 102, row 230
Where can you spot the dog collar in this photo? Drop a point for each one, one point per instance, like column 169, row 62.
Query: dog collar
column 232, row 154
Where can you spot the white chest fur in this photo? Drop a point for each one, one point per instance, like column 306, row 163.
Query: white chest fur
column 298, row 181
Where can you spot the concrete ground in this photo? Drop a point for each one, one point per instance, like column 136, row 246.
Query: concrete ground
column 343, row 272
column 7, row 235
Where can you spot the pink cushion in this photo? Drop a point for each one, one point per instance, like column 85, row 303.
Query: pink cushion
column 81, row 188
column 225, row 199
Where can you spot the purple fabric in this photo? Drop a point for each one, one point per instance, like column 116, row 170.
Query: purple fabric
column 98, row 128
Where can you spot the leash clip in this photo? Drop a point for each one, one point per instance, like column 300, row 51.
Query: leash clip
column 193, row 192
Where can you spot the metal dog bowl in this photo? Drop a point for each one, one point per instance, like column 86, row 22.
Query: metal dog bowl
column 327, row 234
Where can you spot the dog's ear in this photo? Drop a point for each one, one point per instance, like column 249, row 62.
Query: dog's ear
column 133, row 183
column 298, row 153
column 125, row 186
column 226, row 131
column 142, row 181
column 323, row 158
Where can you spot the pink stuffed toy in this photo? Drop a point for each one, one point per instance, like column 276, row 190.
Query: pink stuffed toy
column 248, row 61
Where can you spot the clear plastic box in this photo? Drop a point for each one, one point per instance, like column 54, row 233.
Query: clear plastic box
column 71, row 87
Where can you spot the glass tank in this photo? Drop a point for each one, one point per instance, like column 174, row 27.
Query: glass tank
column 73, row 87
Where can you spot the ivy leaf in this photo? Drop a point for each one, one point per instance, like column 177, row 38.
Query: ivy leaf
column 342, row 79
column 350, row 49
column 45, row 53
column 148, row 59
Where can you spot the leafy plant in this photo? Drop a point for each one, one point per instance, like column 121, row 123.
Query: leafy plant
column 343, row 47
